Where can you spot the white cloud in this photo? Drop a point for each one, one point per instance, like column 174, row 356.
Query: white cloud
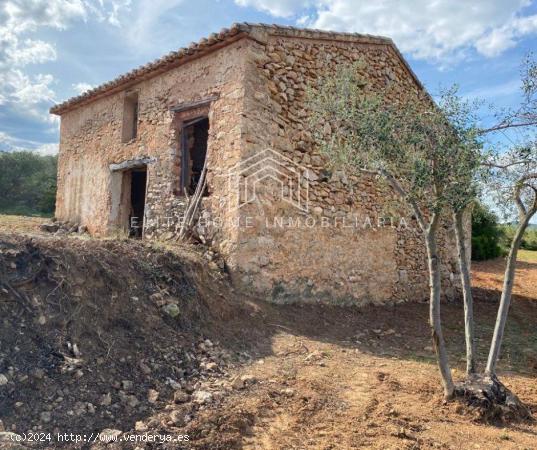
column 431, row 30
column 30, row 52
column 21, row 17
column 277, row 8
column 17, row 52
column 47, row 149
column 20, row 92
column 80, row 88
column 110, row 11
column 146, row 28
column 30, row 94
column 505, row 37
column 7, row 142
column 12, row 144
column 27, row 15
column 118, row 7
column 30, row 91
column 25, row 93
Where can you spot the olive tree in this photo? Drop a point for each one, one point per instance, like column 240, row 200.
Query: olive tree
column 514, row 183
column 510, row 176
column 409, row 143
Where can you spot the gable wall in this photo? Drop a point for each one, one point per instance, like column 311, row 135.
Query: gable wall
column 326, row 258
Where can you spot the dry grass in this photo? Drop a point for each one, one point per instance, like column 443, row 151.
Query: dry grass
column 20, row 224
column 527, row 256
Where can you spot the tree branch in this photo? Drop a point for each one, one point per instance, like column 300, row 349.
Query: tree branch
column 527, row 177
column 504, row 166
column 505, row 126
column 394, row 183
column 534, row 207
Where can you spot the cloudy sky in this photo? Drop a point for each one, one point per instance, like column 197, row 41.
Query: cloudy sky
column 51, row 50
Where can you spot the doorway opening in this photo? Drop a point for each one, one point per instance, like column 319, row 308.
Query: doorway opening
column 194, row 137
column 138, row 184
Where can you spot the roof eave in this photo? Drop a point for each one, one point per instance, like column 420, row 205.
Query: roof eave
column 211, row 44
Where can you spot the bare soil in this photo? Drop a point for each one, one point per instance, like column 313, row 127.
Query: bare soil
column 244, row 373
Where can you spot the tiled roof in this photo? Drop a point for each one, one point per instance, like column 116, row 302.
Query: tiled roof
column 209, row 44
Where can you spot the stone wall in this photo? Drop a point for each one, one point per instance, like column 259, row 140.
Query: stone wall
column 91, row 141
column 342, row 252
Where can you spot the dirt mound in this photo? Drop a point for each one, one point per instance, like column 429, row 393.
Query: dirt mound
column 96, row 334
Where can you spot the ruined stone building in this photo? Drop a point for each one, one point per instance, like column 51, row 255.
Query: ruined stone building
column 132, row 149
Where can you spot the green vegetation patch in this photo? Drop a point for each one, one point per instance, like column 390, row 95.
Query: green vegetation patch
column 27, row 183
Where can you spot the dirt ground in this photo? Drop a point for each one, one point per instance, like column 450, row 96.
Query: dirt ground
column 234, row 372
column 489, row 275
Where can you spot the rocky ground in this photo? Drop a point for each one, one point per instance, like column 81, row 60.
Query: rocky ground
column 125, row 341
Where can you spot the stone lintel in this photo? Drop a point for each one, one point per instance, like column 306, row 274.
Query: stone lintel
column 132, row 164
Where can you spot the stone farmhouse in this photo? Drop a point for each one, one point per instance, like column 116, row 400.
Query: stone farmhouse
column 133, row 149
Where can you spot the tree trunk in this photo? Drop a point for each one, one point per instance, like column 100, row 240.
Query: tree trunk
column 464, row 271
column 434, row 311
column 505, row 300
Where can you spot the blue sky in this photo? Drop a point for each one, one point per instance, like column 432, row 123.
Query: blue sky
column 51, row 50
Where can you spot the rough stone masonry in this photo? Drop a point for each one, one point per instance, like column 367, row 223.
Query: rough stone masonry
column 289, row 229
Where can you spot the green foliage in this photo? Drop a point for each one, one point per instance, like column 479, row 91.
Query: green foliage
column 529, row 241
column 27, row 183
column 486, row 234
column 429, row 153
column 485, row 247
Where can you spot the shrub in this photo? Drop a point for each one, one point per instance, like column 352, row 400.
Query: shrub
column 486, row 234
column 485, row 247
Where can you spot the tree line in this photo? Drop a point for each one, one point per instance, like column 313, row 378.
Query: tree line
column 27, row 183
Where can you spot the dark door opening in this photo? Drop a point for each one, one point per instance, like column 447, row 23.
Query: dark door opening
column 195, row 134
column 138, row 188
